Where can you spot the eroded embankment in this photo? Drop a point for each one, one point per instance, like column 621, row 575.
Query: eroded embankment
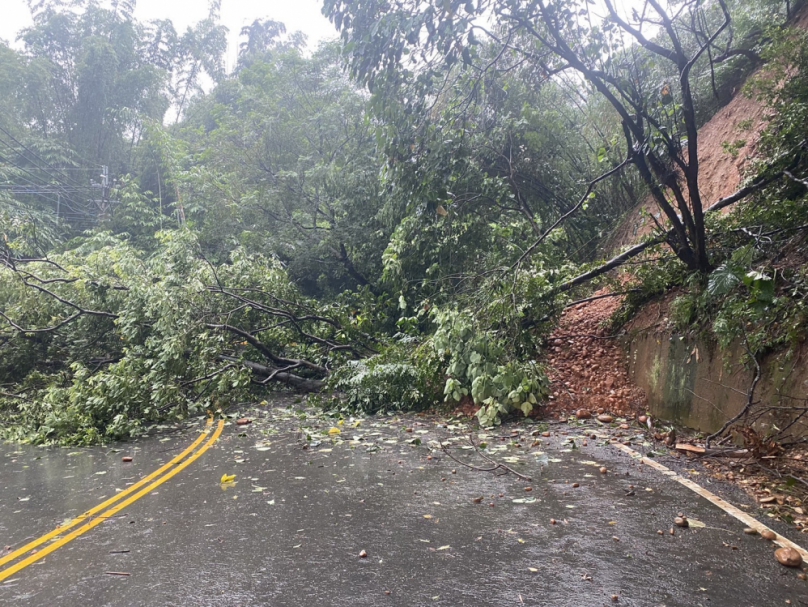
column 589, row 367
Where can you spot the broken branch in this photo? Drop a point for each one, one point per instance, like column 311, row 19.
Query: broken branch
column 495, row 465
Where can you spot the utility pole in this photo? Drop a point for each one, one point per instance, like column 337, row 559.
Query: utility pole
column 104, row 191
column 103, row 204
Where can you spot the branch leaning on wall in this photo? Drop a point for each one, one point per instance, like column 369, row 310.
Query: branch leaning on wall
column 750, row 398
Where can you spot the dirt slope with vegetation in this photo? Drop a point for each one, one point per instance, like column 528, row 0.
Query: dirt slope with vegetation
column 588, row 365
column 727, row 148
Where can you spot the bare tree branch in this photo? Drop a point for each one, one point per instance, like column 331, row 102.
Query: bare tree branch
column 263, row 349
column 495, row 466
column 59, row 325
column 750, row 397
column 614, row 262
column 572, row 211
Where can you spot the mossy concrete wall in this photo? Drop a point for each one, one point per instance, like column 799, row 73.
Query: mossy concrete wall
column 692, row 382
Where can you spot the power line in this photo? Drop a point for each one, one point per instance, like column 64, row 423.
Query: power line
column 32, row 152
column 62, row 185
column 26, row 169
column 23, row 178
column 64, row 188
column 81, row 212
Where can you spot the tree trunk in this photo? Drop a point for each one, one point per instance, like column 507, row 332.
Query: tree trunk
column 303, row 384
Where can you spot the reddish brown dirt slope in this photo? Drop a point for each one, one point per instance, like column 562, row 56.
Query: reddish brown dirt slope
column 727, row 146
column 588, row 369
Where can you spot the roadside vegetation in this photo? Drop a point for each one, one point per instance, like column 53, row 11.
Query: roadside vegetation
column 392, row 220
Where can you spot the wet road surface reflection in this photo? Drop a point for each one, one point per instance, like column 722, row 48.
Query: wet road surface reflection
column 305, row 503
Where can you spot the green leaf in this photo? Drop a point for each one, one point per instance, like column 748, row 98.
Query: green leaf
column 722, row 281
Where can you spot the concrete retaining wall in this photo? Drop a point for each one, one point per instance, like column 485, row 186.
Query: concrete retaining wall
column 694, row 383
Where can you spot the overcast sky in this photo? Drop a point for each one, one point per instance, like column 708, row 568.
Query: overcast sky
column 303, row 15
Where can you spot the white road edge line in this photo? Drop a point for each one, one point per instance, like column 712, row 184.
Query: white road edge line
column 742, row 516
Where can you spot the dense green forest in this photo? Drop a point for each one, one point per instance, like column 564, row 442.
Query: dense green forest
column 391, row 220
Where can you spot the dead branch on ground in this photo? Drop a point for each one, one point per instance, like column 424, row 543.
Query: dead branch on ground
column 282, row 375
column 495, row 466
column 705, row 451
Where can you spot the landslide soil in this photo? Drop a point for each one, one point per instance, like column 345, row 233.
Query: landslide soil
column 588, row 370
column 588, row 367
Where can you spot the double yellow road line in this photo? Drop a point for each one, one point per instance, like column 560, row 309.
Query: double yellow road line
column 96, row 516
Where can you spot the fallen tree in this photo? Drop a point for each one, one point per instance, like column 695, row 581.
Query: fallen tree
column 100, row 339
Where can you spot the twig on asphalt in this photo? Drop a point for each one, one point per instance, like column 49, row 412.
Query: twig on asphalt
column 495, row 465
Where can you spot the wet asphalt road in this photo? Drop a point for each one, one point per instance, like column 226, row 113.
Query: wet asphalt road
column 289, row 531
